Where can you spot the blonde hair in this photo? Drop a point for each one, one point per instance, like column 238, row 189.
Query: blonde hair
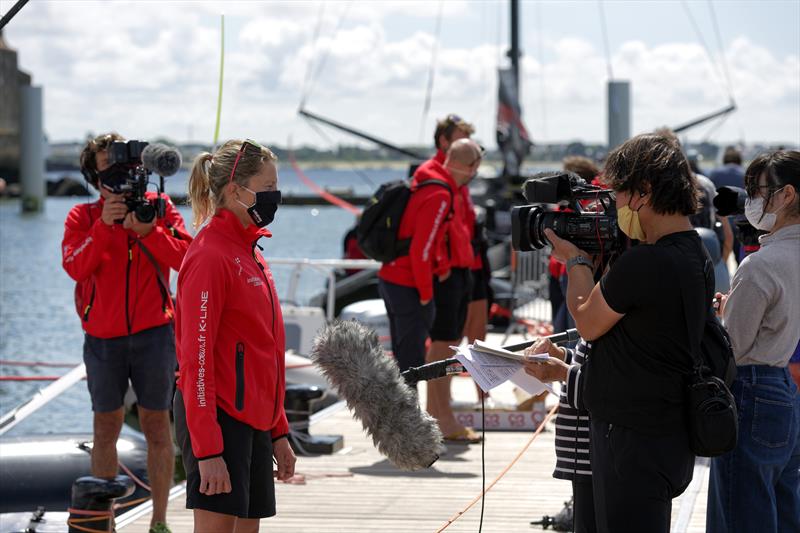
column 211, row 173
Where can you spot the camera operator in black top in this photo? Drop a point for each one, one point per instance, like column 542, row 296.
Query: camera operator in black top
column 634, row 380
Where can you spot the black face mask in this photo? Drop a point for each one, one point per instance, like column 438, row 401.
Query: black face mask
column 114, row 178
column 262, row 212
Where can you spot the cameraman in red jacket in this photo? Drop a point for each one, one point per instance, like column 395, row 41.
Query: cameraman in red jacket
column 121, row 266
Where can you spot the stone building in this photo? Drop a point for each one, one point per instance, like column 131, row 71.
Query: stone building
column 11, row 79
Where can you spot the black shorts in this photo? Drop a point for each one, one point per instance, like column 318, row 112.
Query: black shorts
column 248, row 457
column 479, row 285
column 409, row 322
column 452, row 298
column 146, row 358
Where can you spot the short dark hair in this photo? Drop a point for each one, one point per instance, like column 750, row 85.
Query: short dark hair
column 732, row 155
column 655, row 164
column 448, row 125
column 781, row 167
column 88, row 159
column 582, row 166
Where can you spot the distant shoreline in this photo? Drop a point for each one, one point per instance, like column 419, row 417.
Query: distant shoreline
column 338, row 164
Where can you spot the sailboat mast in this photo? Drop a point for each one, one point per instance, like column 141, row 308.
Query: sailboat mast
column 514, row 53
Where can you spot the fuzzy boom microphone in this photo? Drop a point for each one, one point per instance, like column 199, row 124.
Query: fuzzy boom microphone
column 351, row 357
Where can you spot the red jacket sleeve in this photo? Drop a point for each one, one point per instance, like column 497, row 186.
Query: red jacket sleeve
column 430, row 226
column 201, row 294
column 84, row 243
column 169, row 240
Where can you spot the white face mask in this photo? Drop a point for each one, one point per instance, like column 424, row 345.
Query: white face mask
column 754, row 211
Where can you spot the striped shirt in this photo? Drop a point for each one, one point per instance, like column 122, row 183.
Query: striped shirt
column 572, row 422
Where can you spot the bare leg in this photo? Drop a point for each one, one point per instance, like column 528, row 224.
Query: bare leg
column 160, row 459
column 475, row 328
column 211, row 522
column 439, row 390
column 247, row 525
column 104, row 448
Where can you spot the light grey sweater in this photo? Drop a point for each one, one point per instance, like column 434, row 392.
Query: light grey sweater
column 762, row 314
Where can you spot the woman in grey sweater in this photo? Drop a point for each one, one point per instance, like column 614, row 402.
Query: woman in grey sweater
column 756, row 487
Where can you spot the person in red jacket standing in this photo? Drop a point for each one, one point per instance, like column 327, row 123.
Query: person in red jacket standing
column 452, row 285
column 121, row 266
column 229, row 415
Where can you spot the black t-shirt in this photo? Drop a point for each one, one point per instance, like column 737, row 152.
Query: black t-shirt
column 636, row 375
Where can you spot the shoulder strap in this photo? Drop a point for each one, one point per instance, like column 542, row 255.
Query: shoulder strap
column 691, row 316
column 163, row 283
column 441, row 183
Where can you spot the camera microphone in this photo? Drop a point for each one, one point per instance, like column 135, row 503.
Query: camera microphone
column 351, row 357
column 161, row 159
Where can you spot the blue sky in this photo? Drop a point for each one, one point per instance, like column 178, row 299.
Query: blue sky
column 150, row 68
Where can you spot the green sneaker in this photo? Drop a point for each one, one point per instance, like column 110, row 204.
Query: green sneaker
column 160, row 527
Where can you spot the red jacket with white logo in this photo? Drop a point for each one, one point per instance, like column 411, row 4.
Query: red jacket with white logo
column 229, row 334
column 120, row 290
column 424, row 222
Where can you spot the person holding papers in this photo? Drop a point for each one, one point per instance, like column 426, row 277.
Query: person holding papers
column 572, row 423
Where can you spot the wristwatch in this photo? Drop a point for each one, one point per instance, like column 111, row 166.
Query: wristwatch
column 579, row 260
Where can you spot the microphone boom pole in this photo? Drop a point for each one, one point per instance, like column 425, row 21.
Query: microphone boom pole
column 446, row 367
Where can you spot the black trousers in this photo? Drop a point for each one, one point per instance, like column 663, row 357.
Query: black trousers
column 635, row 477
column 583, row 519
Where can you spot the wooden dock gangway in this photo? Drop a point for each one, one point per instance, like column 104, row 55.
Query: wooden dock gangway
column 358, row 490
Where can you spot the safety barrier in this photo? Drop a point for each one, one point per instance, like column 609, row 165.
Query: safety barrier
column 530, row 298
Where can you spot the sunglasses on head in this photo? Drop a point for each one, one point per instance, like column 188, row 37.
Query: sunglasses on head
column 481, row 153
column 454, row 119
column 242, row 150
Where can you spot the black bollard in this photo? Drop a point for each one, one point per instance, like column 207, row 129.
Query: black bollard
column 298, row 405
column 93, row 501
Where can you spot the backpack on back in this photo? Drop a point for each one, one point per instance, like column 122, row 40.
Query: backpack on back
column 377, row 228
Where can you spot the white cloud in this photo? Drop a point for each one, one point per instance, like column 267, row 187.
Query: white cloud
column 149, row 69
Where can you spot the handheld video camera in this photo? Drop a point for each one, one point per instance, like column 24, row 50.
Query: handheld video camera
column 131, row 163
column 127, row 155
column 591, row 226
column 730, row 202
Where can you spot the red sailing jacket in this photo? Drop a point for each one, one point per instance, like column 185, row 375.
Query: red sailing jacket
column 230, row 337
column 456, row 248
column 458, row 244
column 117, row 280
column 469, row 220
column 424, row 222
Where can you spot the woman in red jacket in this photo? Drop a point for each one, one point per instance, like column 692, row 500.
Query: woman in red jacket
column 229, row 414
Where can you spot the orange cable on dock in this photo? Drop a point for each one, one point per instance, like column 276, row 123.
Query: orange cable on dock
column 501, row 474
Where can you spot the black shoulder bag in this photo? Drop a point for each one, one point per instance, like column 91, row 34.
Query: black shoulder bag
column 710, row 407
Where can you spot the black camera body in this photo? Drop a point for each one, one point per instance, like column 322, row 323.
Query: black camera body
column 730, row 202
column 595, row 231
column 127, row 156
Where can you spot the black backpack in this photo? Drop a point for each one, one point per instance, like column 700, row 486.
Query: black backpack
column 380, row 220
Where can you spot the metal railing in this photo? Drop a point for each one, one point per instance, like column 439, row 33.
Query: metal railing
column 530, row 294
column 327, row 267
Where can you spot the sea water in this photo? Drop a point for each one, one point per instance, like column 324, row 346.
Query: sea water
column 38, row 321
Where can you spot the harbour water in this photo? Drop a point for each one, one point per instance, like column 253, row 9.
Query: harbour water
column 38, row 321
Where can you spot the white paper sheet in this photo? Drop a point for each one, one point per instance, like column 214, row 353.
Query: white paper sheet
column 489, row 371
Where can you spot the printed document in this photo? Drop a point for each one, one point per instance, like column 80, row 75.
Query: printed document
column 490, row 370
